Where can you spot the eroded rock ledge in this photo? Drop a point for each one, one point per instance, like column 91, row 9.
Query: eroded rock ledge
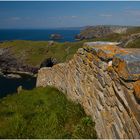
column 10, row 64
column 105, row 80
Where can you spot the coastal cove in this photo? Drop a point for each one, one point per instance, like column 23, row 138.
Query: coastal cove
column 25, row 50
column 9, row 85
column 70, row 70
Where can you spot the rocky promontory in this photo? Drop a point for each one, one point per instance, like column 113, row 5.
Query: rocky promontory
column 105, row 80
column 100, row 31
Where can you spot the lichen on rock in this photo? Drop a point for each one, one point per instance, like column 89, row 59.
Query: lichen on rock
column 105, row 80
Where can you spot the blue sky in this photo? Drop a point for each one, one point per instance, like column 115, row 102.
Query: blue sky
column 68, row 14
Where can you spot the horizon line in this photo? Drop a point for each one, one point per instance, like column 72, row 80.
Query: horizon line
column 74, row 27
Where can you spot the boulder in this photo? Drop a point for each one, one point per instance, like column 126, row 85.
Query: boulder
column 19, row 89
column 50, row 43
column 128, row 66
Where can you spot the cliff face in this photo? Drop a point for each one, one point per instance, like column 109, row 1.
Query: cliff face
column 105, row 80
column 100, row 31
column 11, row 64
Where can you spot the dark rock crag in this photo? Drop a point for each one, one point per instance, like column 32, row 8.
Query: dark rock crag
column 49, row 62
column 10, row 64
column 105, row 80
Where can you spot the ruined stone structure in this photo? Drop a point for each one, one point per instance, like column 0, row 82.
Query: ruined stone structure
column 105, row 80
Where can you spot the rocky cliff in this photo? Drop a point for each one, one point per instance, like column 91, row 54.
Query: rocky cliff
column 100, row 31
column 11, row 64
column 105, row 80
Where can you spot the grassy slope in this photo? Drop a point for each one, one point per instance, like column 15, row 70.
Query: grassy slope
column 133, row 30
column 34, row 52
column 134, row 44
column 120, row 37
column 43, row 113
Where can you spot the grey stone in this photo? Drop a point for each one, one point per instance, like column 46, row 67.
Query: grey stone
column 103, row 94
column 107, row 79
column 80, row 51
column 116, row 132
column 132, row 65
column 101, row 80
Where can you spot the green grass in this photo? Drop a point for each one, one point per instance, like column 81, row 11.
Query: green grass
column 112, row 37
column 133, row 30
column 115, row 36
column 134, row 44
column 34, row 52
column 43, row 113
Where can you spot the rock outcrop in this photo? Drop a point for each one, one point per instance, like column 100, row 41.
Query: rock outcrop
column 49, row 62
column 10, row 64
column 100, row 31
column 55, row 36
column 105, row 80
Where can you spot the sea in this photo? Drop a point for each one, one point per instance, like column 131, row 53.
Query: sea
column 68, row 35
column 9, row 86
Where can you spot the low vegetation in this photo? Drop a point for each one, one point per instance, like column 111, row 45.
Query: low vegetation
column 43, row 113
column 118, row 37
column 134, row 44
column 133, row 30
column 34, row 52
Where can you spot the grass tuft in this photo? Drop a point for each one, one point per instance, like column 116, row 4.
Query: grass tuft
column 43, row 113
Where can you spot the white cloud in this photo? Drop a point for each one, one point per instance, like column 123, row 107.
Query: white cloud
column 73, row 16
column 64, row 17
column 133, row 12
column 67, row 17
column 106, row 15
column 15, row 18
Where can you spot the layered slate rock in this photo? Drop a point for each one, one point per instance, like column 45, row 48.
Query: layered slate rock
column 128, row 65
column 137, row 90
column 105, row 80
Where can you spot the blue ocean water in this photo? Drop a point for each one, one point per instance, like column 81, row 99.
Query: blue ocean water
column 9, row 86
column 37, row 34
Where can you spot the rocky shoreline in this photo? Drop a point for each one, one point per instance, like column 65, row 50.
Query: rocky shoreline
column 16, row 74
column 13, row 66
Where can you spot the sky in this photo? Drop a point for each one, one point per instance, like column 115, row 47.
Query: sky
column 53, row 14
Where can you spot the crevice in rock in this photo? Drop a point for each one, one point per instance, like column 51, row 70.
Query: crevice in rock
column 49, row 62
